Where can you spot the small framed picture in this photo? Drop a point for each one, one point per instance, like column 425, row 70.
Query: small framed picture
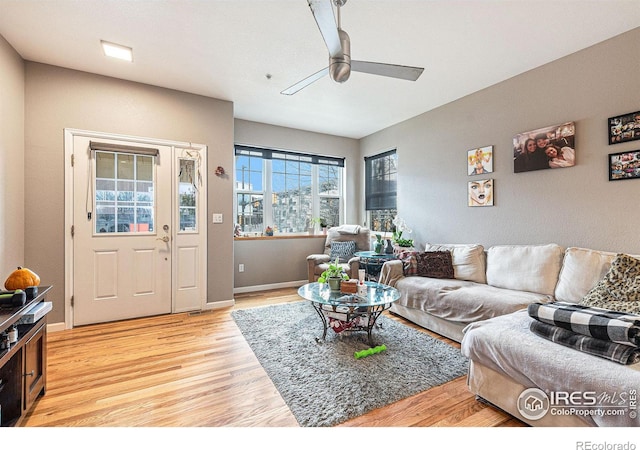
column 480, row 160
column 480, row 193
column 624, row 128
column 624, row 165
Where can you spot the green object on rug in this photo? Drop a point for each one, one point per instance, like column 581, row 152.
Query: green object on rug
column 322, row 383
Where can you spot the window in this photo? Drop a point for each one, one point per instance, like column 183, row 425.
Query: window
column 297, row 186
column 381, row 180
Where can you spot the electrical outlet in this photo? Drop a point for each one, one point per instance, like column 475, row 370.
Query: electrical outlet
column 240, row 267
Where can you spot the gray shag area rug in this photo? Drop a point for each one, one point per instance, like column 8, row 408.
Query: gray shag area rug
column 322, row 382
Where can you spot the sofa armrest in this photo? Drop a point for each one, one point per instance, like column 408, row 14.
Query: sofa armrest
column 354, row 266
column 318, row 258
column 312, row 262
column 391, row 272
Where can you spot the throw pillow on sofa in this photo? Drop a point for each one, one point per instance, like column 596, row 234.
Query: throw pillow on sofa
column 434, row 264
column 343, row 250
column 468, row 260
column 619, row 290
column 409, row 263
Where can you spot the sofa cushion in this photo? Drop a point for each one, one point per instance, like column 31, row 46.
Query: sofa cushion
column 342, row 250
column 531, row 268
column 468, row 260
column 619, row 290
column 434, row 264
column 461, row 301
column 582, row 268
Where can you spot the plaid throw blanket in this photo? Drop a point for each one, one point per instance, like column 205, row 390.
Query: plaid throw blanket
column 598, row 323
column 620, row 353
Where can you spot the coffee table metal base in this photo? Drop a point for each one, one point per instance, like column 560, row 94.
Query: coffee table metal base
column 370, row 315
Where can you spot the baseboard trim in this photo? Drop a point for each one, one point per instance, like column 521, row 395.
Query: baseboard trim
column 58, row 326
column 267, row 287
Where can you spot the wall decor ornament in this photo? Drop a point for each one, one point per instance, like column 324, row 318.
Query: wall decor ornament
column 480, row 160
column 624, row 128
column 480, row 192
column 624, row 165
column 545, row 148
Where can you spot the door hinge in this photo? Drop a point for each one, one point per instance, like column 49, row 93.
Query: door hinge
column 72, row 300
column 73, row 230
column 73, row 159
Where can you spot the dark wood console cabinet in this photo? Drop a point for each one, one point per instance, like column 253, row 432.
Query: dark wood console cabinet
column 23, row 367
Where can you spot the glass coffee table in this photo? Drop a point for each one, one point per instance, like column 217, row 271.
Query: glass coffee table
column 349, row 311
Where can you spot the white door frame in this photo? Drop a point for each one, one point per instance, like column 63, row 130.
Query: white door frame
column 69, row 134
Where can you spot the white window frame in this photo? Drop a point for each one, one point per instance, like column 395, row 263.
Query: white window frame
column 267, row 192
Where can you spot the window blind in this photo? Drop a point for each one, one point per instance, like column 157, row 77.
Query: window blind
column 381, row 175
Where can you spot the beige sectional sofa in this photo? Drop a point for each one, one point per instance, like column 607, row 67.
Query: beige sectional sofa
column 487, row 284
column 509, row 364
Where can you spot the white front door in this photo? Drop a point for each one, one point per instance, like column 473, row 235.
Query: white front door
column 138, row 229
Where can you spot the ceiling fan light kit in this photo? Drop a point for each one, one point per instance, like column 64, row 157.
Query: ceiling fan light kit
column 339, row 46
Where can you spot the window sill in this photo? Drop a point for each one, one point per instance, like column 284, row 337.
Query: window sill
column 279, row 237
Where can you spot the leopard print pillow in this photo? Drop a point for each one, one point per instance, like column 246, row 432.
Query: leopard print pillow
column 619, row 290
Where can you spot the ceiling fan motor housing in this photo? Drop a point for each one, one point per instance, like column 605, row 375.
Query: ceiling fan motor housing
column 340, row 66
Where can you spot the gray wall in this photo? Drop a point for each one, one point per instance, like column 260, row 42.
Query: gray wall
column 273, row 261
column 58, row 98
column 574, row 206
column 11, row 160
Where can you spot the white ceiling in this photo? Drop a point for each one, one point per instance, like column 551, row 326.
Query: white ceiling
column 225, row 48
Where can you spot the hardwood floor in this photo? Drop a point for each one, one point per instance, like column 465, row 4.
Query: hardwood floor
column 188, row 370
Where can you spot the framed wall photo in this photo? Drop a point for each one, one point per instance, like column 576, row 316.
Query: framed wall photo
column 480, row 193
column 624, row 165
column 624, row 128
column 480, row 160
column 545, row 148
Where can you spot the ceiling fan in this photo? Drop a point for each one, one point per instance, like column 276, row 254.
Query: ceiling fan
column 339, row 46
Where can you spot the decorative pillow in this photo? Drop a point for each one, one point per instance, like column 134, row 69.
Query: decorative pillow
column 619, row 290
column 343, row 250
column 469, row 261
column 437, row 264
column 409, row 263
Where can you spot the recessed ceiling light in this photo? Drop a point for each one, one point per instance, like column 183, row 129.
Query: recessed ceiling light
column 117, row 51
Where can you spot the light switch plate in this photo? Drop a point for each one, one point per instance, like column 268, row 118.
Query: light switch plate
column 217, row 218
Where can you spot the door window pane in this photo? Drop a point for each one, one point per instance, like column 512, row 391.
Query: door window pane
column 124, row 193
column 187, row 195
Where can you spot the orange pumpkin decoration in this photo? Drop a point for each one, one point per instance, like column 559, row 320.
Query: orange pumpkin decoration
column 21, row 278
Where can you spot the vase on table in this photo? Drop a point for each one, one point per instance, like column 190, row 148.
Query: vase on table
column 389, row 248
column 377, row 247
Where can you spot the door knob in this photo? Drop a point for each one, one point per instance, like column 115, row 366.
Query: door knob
column 163, row 239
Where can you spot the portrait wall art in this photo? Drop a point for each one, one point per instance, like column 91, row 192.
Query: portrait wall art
column 480, row 160
column 551, row 147
column 624, row 128
column 480, row 193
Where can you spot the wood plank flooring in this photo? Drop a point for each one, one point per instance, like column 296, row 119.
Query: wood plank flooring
column 188, row 370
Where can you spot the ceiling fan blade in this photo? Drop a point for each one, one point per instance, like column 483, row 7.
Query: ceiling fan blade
column 306, row 82
column 323, row 13
column 387, row 70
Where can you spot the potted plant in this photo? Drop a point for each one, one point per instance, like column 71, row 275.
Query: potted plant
column 399, row 226
column 322, row 223
column 333, row 275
